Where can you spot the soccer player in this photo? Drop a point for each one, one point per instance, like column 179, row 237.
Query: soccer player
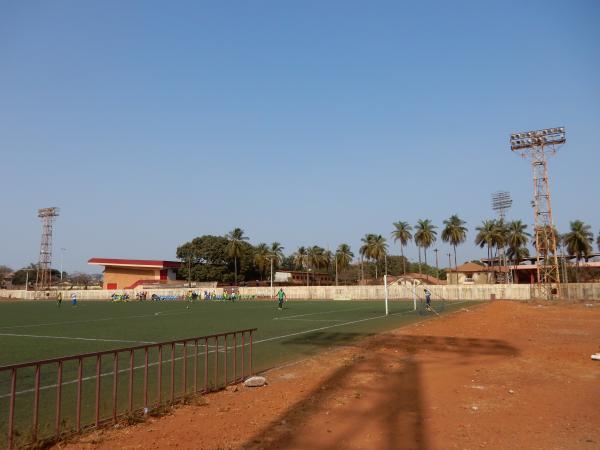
column 59, row 299
column 73, row 299
column 281, row 297
column 427, row 299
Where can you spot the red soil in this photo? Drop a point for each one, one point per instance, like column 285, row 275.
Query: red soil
column 504, row 376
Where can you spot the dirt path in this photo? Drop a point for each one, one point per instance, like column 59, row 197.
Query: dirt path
column 502, row 376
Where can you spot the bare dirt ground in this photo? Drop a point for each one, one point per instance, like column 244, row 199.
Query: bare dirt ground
column 502, row 376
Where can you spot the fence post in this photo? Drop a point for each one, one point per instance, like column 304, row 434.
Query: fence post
column 58, row 398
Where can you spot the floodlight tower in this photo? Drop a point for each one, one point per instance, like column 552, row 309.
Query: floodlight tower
column 501, row 202
column 44, row 273
column 536, row 145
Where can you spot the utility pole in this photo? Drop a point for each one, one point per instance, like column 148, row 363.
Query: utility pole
column 336, row 269
column 272, row 292
column 536, row 145
column 62, row 251
column 450, row 268
column 437, row 266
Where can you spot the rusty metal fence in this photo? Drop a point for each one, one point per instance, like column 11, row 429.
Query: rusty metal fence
column 51, row 398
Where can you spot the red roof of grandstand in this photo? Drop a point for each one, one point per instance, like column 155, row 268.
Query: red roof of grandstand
column 135, row 263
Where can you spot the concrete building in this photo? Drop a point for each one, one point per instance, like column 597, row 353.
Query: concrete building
column 129, row 273
column 300, row 277
column 472, row 273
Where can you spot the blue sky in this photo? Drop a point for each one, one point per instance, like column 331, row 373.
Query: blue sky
column 149, row 123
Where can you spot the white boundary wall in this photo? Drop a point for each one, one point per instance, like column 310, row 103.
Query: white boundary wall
column 582, row 291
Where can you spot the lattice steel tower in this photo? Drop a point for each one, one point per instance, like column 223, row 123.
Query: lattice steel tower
column 501, row 202
column 536, row 145
column 44, row 274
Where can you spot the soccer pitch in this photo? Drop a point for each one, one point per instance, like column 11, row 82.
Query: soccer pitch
column 40, row 330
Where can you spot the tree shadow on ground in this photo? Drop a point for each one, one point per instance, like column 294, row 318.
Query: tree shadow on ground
column 373, row 401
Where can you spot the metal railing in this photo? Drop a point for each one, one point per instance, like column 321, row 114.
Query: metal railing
column 139, row 378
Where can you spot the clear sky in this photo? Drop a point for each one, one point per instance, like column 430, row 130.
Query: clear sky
column 308, row 122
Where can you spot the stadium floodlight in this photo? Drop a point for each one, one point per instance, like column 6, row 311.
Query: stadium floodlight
column 536, row 145
column 501, row 201
column 539, row 138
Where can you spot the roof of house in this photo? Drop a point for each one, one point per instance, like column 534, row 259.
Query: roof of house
column 469, row 267
column 146, row 263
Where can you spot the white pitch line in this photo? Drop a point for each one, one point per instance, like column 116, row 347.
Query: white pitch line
column 312, row 320
column 212, row 351
column 76, row 338
column 157, row 313
column 321, row 312
column 336, row 325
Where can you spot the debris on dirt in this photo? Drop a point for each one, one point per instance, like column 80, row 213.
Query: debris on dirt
column 231, row 388
column 255, row 382
column 596, row 356
column 510, row 391
column 475, row 408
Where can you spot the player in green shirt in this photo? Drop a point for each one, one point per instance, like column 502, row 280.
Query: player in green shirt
column 281, row 297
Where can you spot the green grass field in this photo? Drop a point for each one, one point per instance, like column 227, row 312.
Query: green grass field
column 40, row 330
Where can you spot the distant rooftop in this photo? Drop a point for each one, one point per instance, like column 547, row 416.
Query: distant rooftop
column 147, row 263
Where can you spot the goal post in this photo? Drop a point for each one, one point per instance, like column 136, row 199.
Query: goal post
column 385, row 289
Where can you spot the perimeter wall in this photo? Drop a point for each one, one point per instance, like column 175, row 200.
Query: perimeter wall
column 579, row 291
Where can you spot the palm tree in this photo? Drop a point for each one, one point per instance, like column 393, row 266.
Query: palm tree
column 276, row 252
column 261, row 258
column 454, row 232
column 365, row 250
column 378, row 250
column 545, row 233
column 300, row 260
column 234, row 247
column 579, row 241
column 517, row 253
column 343, row 257
column 516, row 239
column 403, row 234
column 425, row 236
column 598, row 241
column 487, row 236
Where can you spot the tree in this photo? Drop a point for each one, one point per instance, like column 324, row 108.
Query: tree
column 80, row 279
column 343, row 258
column 20, row 276
column 516, row 240
column 276, row 252
column 316, row 257
column 425, row 236
column 378, row 250
column 487, row 235
column 402, row 233
column 5, row 271
column 545, row 234
column 579, row 241
column 365, row 250
column 234, row 247
column 211, row 261
column 300, row 258
column 455, row 233
column 261, row 258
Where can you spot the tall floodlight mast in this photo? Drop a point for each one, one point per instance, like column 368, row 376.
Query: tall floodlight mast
column 44, row 273
column 536, row 145
column 501, row 202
